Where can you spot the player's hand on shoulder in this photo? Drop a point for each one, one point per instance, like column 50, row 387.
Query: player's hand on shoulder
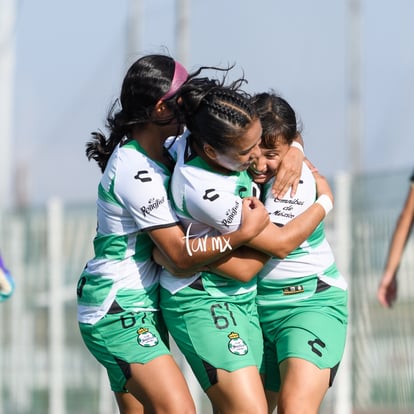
column 289, row 172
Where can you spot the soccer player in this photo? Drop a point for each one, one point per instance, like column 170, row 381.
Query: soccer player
column 118, row 309
column 387, row 289
column 214, row 319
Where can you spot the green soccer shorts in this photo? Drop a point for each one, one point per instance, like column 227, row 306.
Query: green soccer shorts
column 313, row 329
column 125, row 338
column 213, row 333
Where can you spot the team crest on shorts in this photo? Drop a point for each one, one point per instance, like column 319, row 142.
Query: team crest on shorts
column 236, row 345
column 146, row 338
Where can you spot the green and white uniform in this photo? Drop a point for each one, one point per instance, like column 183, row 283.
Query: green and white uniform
column 212, row 319
column 118, row 291
column 302, row 300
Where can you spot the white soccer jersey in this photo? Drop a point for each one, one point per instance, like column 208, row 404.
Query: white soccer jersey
column 314, row 255
column 132, row 199
column 208, row 203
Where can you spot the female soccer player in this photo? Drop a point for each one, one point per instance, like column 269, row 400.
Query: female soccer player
column 214, row 319
column 387, row 290
column 302, row 299
column 119, row 288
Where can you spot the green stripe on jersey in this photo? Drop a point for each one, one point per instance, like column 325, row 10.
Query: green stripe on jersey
column 108, row 196
column 110, row 246
column 114, row 246
column 314, row 240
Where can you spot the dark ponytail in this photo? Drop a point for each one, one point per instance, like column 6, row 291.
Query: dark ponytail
column 146, row 81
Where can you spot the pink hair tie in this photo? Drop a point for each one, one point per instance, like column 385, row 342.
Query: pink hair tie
column 180, row 76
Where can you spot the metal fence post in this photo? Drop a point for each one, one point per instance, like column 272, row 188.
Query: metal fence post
column 342, row 209
column 56, row 306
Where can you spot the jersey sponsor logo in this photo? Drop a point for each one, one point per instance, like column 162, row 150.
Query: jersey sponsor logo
column 195, row 244
column 287, row 210
column 153, row 204
column 143, row 176
column 231, row 213
column 293, row 290
column 146, row 338
column 210, row 194
column 281, row 213
column 318, row 342
column 294, row 202
column 236, row 344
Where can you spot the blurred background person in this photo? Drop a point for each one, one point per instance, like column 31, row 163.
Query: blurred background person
column 6, row 282
column 387, row 290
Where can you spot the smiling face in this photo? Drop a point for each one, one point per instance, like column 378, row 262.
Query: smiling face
column 241, row 154
column 266, row 165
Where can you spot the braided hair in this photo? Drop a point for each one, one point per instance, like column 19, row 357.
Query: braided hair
column 146, row 81
column 216, row 114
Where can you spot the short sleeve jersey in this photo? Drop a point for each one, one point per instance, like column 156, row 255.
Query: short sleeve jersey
column 208, row 203
column 412, row 178
column 132, row 199
column 314, row 256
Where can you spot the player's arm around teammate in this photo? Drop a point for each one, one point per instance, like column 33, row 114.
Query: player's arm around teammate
column 214, row 320
column 246, row 262
column 302, row 299
column 118, row 291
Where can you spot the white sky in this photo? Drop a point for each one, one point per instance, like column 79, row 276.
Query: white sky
column 71, row 57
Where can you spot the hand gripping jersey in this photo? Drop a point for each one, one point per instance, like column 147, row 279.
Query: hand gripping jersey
column 208, row 203
column 132, row 199
column 313, row 259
